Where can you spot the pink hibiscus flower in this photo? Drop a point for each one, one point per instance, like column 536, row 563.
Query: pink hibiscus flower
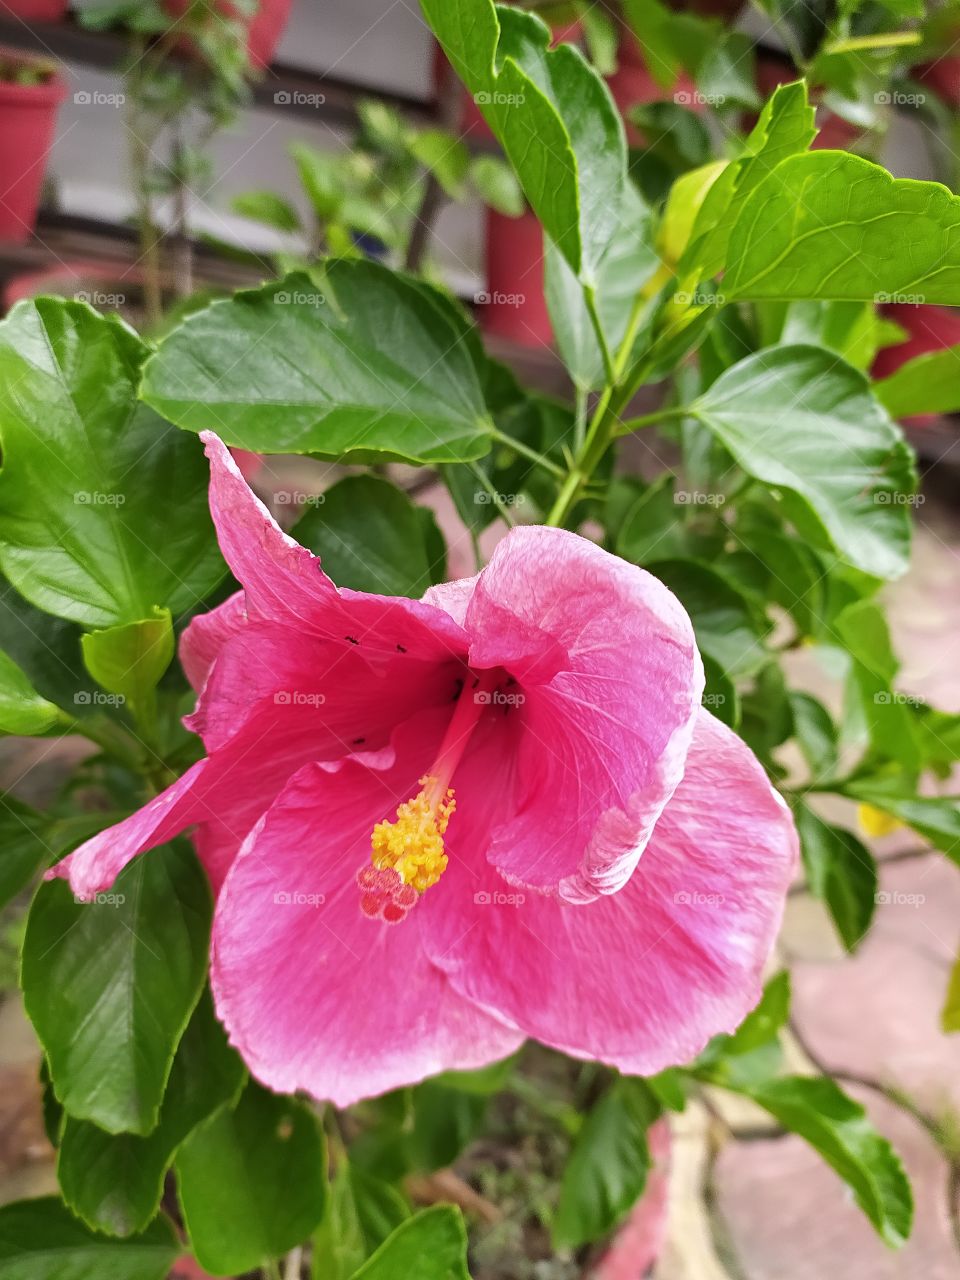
column 438, row 827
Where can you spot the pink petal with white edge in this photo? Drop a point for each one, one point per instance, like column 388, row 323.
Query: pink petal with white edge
column 314, row 994
column 207, row 633
column 641, row 979
column 611, row 682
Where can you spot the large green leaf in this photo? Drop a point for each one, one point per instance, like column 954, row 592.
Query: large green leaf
column 729, row 627
column 110, row 985
column 838, row 1128
column 432, row 1245
column 608, row 1166
column 784, row 128
column 83, row 532
column 804, row 422
column 361, row 1212
column 553, row 115
column 359, row 358
column 928, row 384
column 827, row 224
column 841, row 871
column 30, row 841
column 41, row 1240
column 371, row 537
column 22, row 710
column 47, row 649
column 252, row 1181
column 115, row 1181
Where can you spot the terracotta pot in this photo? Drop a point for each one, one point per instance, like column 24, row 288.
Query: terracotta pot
column 28, row 116
column 633, row 85
column 107, row 286
column 513, row 305
column 929, row 328
column 470, row 119
column 835, row 133
column 37, row 10
column 266, row 26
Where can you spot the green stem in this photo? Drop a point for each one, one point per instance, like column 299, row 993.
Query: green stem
column 519, row 447
column 650, row 419
column 609, row 366
column 271, row 1270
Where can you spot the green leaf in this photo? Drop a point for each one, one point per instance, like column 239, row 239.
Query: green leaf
column 836, row 226
column 950, row 1017
column 608, row 1165
column 445, row 1120
column 129, row 660
column 784, row 128
column 269, row 208
column 936, row 818
column 816, row 735
column 359, row 359
column 114, row 1182
column 800, row 420
column 729, row 627
column 252, row 1181
column 23, row 847
column 47, row 649
column 553, row 116
column 41, row 1240
column 110, row 985
column 446, row 157
column 432, row 1245
column 842, row 872
column 22, row 710
column 753, row 1051
column 838, row 1128
column 887, row 714
column 82, row 533
column 371, row 537
column 496, row 185
column 928, row 384
column 630, row 261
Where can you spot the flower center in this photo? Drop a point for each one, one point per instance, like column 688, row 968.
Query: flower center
column 408, row 855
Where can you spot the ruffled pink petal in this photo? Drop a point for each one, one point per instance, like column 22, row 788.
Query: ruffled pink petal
column 609, row 690
column 643, row 978
column 314, row 994
column 207, row 633
column 452, row 597
column 284, row 583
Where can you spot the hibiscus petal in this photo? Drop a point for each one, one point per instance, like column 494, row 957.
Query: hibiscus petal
column 610, row 685
column 207, row 633
column 643, row 978
column 314, row 994
column 284, row 583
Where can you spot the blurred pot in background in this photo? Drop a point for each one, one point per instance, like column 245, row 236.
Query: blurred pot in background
column 513, row 305
column 31, row 92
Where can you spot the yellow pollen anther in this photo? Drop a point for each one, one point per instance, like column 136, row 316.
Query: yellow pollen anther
column 413, row 843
